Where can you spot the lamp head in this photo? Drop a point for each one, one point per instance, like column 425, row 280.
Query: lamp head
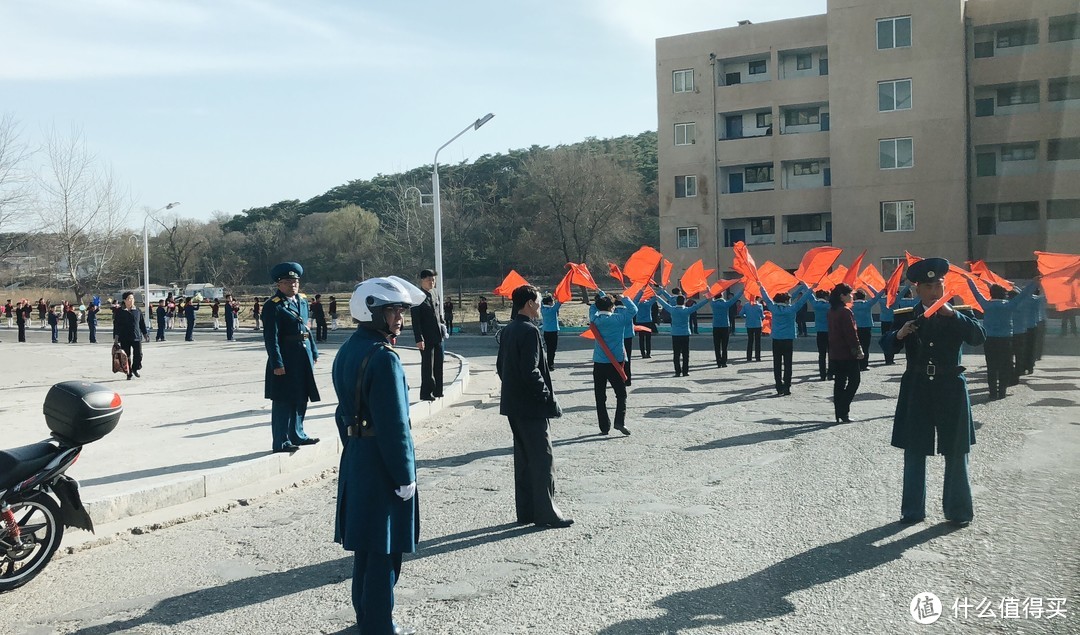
column 483, row 120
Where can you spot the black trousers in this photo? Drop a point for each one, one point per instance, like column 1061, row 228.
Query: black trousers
column 753, row 343
column 133, row 349
column 889, row 355
column 189, row 335
column 999, row 369
column 431, row 367
column 320, row 330
column 73, row 334
column 628, row 347
column 645, row 342
column 694, row 323
column 823, row 354
column 22, row 331
column 160, row 331
column 602, row 375
column 1068, row 322
column 1031, row 350
column 781, row 364
column 1019, row 341
column 680, row 349
column 551, row 343
column 720, row 337
column 92, row 326
column 846, row 377
column 534, row 471
column 865, row 334
column 1040, row 338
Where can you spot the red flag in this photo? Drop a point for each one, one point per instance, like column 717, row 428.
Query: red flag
column 775, row 278
column 580, row 275
column 980, row 269
column 721, row 286
column 665, row 276
column 766, row 323
column 816, row 263
column 694, row 280
column 744, row 262
column 956, row 285
column 910, row 258
column 892, row 287
column 632, row 290
column 563, row 293
column 616, row 273
column 641, row 266
column 831, row 280
column 871, row 277
column 1060, row 279
column 852, row 276
column 512, row 281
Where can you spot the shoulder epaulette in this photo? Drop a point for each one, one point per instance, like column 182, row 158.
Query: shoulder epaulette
column 903, row 311
column 275, row 299
column 302, row 296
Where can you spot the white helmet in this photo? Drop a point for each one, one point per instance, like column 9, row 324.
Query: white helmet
column 381, row 292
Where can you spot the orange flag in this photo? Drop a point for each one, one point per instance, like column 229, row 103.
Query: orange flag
column 956, row 285
column 910, row 258
column 831, row 280
column 871, row 277
column 665, row 276
column 512, row 281
column 641, row 266
column 852, row 276
column 632, row 291
column 721, row 286
column 980, row 269
column 580, row 275
column 766, row 323
column 616, row 273
column 744, row 262
column 694, row 280
column 892, row 287
column 1060, row 279
column 816, row 263
column 563, row 293
column 775, row 278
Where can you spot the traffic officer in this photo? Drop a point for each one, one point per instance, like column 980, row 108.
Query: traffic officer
column 933, row 398
column 291, row 359
column 378, row 515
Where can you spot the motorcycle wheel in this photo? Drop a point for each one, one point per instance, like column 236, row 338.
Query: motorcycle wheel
column 38, row 518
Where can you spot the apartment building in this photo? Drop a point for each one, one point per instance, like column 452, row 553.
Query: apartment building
column 940, row 127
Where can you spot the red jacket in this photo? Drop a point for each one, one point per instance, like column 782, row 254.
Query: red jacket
column 843, row 338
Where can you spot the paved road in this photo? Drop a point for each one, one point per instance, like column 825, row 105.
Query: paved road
column 727, row 511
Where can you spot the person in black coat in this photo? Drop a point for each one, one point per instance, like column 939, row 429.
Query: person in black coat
column 129, row 330
column 161, row 311
column 528, row 401
column 319, row 314
column 91, row 319
column 429, row 332
column 230, row 316
column 189, row 318
column 72, row 317
column 54, row 324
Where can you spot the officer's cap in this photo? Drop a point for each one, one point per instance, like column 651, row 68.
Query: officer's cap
column 286, row 270
column 928, row 270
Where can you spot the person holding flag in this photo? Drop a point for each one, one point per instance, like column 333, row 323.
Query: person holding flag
column 888, row 314
column 754, row 315
column 821, row 305
column 648, row 311
column 997, row 321
column 934, row 401
column 863, row 309
column 680, row 327
column 609, row 353
column 721, row 325
column 784, row 311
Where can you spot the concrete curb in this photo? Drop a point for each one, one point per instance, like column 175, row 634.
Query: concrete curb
column 221, row 480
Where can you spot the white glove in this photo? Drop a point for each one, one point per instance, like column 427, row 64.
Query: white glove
column 406, row 491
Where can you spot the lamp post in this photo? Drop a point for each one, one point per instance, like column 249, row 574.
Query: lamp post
column 438, row 209
column 146, row 256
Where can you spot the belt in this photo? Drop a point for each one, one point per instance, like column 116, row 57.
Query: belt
column 363, row 429
column 933, row 370
column 296, row 338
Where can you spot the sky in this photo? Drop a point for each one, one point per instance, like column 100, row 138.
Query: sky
column 225, row 105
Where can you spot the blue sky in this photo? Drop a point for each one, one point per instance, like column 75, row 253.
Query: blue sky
column 229, row 104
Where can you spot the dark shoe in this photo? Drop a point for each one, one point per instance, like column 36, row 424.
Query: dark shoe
column 603, row 433
column 308, row 441
column 959, row 524
column 524, row 521
column 558, row 524
column 623, row 430
column 129, row 376
column 428, row 398
column 912, row 520
column 404, row 630
column 288, row 447
column 848, row 419
column 136, row 373
column 627, row 382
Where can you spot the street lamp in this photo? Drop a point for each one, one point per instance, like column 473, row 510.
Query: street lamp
column 146, row 257
column 438, row 210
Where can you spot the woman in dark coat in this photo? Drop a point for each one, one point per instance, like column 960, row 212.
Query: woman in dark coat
column 129, row 329
column 845, row 351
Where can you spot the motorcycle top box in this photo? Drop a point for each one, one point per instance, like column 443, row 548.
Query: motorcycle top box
column 79, row 412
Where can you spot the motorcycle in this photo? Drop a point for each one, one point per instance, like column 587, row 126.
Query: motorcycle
column 37, row 499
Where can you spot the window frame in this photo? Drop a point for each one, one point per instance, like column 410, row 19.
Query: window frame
column 1058, row 25
column 895, row 103
column 761, row 224
column 768, row 119
column 687, row 179
column 1016, row 95
column 689, row 233
column 892, row 32
column 754, row 170
column 1054, row 149
column 814, row 119
column 809, row 57
column 986, row 219
column 764, row 69
column 1008, row 150
column 1066, row 85
column 682, row 73
column 898, row 216
column 808, row 168
column 1026, row 31
column 689, row 129
column 895, row 141
column 1030, row 211
column 815, row 223
column 1066, row 214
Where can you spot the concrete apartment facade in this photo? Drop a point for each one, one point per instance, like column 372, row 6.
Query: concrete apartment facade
column 940, row 127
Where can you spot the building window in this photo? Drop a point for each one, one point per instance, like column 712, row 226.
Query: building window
column 893, row 33
column 984, row 49
column 895, row 153
column 1019, row 152
column 986, row 219
column 764, row 119
column 687, row 237
column 1014, row 212
column 685, row 133
column 1063, row 150
column 984, row 107
column 891, row 264
column 1063, row 209
column 1017, row 36
column 802, row 116
column 761, row 174
column 823, row 66
column 685, row 186
column 804, row 62
column 986, row 164
column 894, row 95
column 898, row 216
column 804, row 223
column 1062, row 89
column 1064, row 28
column 683, row 81
column 762, row 226
column 759, row 67
column 806, row 168
column 1017, row 95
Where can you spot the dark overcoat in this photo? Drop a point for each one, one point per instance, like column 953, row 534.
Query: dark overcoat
column 933, row 390
column 370, row 516
column 289, row 345
column 522, row 366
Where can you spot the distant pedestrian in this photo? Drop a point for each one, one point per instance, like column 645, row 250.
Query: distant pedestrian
column 92, row 318
column 318, row 313
column 333, row 313
column 129, row 330
column 997, row 322
column 9, row 314
column 549, row 311
column 21, row 319
column 647, row 315
column 801, row 318
column 43, row 309
column 754, row 315
column 54, row 322
column 888, row 313
column 162, row 311
column 230, row 317
column 680, row 328
column 482, row 309
column 721, row 326
column 821, row 306
column 608, row 351
column 862, row 307
column 1068, row 322
column 784, row 314
column 845, row 351
column 429, row 333
column 190, row 307
column 72, row 317
column 448, row 315
column 256, row 313
column 215, row 313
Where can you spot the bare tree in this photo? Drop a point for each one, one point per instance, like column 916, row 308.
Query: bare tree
column 222, row 259
column 82, row 207
column 15, row 181
column 182, row 242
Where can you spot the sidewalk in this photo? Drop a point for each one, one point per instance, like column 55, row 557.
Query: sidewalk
column 195, row 425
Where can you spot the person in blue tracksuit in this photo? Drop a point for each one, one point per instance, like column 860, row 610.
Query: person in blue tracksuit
column 821, row 307
column 863, row 309
column 1040, row 326
column 997, row 322
column 680, row 327
column 784, row 312
column 721, row 325
column 1021, row 322
column 378, row 513
column 628, row 337
column 888, row 313
column 611, row 327
column 549, row 315
column 753, row 313
column 646, row 316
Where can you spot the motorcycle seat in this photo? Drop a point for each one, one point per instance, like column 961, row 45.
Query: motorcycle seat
column 16, row 464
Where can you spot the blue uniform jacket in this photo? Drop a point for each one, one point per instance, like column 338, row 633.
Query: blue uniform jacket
column 550, row 316
column 821, row 315
column 644, row 311
column 783, row 315
column 721, row 308
column 754, row 314
column 864, row 310
column 370, row 516
column 998, row 314
column 289, row 345
column 680, row 315
column 612, row 326
column 888, row 313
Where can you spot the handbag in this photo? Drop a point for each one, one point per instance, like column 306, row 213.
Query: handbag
column 120, row 363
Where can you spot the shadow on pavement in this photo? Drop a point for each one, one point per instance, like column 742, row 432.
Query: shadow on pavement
column 172, row 469
column 761, row 437
column 763, row 595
